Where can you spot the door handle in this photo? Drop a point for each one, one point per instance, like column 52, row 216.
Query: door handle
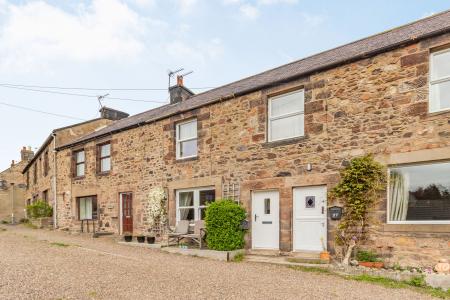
column 255, row 217
column 323, row 210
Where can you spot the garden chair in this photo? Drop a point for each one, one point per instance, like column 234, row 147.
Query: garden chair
column 181, row 229
column 199, row 233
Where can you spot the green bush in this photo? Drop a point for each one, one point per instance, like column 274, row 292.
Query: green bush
column 367, row 256
column 223, row 225
column 39, row 209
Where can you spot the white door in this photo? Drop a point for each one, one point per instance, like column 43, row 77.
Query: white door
column 310, row 218
column 265, row 220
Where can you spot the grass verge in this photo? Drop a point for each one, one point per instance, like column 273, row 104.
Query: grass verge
column 57, row 244
column 417, row 283
column 239, row 257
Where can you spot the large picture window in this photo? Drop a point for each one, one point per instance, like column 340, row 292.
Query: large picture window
column 419, row 194
column 286, row 116
column 191, row 203
column 87, row 208
column 186, row 139
column 440, row 81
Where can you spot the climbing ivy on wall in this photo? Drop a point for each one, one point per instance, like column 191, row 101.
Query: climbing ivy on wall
column 358, row 190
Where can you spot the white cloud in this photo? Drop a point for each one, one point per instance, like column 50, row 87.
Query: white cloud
column 187, row 6
column 249, row 11
column 145, row 3
column 36, row 34
column 200, row 53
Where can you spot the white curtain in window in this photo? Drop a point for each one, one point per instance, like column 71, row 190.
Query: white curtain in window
column 186, row 199
column 398, row 196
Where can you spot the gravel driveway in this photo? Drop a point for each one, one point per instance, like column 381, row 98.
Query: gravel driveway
column 38, row 264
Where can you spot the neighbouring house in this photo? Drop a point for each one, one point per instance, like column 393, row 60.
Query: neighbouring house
column 40, row 172
column 276, row 142
column 12, row 189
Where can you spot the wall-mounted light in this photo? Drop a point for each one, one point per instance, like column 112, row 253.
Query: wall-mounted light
column 309, row 167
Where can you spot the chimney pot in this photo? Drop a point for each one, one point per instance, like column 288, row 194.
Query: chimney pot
column 12, row 163
column 179, row 80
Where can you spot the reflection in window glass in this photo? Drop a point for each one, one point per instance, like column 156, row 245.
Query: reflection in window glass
column 420, row 193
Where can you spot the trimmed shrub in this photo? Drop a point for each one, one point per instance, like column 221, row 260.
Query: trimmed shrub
column 39, row 209
column 223, row 225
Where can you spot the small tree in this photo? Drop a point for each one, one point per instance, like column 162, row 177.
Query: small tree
column 358, row 190
column 39, row 209
column 223, row 224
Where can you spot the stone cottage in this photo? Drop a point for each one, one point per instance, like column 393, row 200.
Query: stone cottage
column 40, row 171
column 12, row 189
column 276, row 142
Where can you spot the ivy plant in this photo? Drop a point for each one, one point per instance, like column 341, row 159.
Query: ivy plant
column 358, row 190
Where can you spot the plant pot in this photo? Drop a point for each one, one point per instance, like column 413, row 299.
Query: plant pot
column 325, row 255
column 128, row 238
column 371, row 264
column 141, row 239
column 151, row 239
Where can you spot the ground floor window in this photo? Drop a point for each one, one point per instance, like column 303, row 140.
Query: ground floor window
column 419, row 193
column 191, row 203
column 87, row 208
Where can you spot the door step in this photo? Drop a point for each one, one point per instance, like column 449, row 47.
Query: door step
column 263, row 252
column 287, row 261
column 99, row 234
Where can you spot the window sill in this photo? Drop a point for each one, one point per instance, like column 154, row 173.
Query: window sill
column 78, row 178
column 284, row 142
column 103, row 173
column 425, row 228
column 438, row 113
column 187, row 159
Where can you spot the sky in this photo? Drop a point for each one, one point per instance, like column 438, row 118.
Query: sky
column 107, row 46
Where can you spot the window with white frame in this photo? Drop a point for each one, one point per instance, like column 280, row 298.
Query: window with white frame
column 104, row 158
column 419, row 194
column 79, row 157
column 186, row 139
column 439, row 81
column 286, row 116
column 191, row 203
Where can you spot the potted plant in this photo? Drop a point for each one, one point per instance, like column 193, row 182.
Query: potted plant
column 127, row 236
column 369, row 259
column 151, row 238
column 141, row 238
column 324, row 255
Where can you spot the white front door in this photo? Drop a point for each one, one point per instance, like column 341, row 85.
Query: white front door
column 310, row 218
column 265, row 220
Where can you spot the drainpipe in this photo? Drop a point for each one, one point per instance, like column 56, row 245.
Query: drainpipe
column 55, row 200
column 12, row 204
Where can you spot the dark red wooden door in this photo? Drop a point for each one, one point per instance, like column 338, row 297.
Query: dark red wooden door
column 127, row 212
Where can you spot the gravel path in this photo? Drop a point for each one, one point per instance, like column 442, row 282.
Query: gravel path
column 37, row 264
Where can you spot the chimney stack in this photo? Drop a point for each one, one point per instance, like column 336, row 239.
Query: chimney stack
column 26, row 154
column 179, row 92
column 112, row 114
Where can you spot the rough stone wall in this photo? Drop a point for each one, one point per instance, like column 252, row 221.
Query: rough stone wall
column 13, row 175
column 376, row 105
column 63, row 136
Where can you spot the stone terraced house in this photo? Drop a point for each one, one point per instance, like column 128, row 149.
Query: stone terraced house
column 276, row 142
column 39, row 172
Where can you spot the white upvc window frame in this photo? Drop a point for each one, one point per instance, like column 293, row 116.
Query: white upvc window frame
column 436, row 81
column 179, row 141
column 291, row 114
column 388, row 221
column 196, row 203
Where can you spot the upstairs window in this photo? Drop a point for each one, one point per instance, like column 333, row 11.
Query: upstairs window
column 186, row 139
column 286, row 116
column 35, row 173
column 79, row 163
column 439, row 81
column 104, row 158
column 46, row 164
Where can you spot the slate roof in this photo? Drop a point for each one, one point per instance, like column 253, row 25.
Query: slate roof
column 372, row 45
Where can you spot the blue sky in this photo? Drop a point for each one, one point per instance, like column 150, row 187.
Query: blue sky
column 131, row 44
